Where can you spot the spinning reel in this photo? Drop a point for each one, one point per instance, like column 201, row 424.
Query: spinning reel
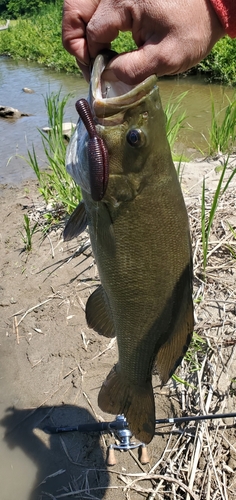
column 119, row 428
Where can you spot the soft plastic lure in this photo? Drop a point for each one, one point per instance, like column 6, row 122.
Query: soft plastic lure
column 97, row 153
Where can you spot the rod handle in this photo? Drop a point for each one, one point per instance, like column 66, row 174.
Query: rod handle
column 111, row 459
column 143, row 455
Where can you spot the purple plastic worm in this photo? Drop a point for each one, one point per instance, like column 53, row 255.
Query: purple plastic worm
column 97, row 153
column 84, row 111
column 98, row 167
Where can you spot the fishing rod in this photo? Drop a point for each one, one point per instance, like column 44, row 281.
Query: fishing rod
column 121, row 423
column 120, row 428
column 180, row 420
column 118, row 424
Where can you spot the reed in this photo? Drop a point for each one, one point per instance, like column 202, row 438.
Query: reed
column 222, row 134
column 55, row 184
column 207, row 220
column 27, row 234
column 175, row 118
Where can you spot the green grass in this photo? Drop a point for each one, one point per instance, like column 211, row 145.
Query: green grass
column 123, row 43
column 222, row 134
column 38, row 39
column 27, row 234
column 175, row 117
column 220, row 64
column 55, row 184
column 207, row 221
column 198, row 347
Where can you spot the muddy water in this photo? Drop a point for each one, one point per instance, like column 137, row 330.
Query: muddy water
column 17, row 136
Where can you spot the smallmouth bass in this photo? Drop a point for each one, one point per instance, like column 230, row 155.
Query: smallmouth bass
column 140, row 238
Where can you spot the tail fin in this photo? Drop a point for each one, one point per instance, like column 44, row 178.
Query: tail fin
column 136, row 402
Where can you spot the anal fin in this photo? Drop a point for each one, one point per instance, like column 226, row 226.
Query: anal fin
column 98, row 313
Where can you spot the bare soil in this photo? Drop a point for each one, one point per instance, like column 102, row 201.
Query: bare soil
column 52, row 365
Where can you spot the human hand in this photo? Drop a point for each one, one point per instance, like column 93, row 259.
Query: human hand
column 171, row 35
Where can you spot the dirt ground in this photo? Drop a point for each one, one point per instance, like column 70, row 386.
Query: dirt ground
column 52, row 366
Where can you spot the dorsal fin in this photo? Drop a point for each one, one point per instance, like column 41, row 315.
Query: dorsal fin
column 171, row 353
column 175, row 340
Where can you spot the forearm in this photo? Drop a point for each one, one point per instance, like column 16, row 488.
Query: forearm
column 226, row 11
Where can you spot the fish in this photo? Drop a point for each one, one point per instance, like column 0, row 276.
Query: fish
column 139, row 231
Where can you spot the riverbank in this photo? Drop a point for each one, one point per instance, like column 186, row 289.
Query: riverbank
column 52, row 365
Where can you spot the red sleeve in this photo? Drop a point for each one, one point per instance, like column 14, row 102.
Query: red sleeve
column 226, row 11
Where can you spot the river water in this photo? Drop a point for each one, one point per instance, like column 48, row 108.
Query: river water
column 17, row 136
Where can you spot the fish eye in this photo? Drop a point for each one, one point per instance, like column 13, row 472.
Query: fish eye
column 135, row 137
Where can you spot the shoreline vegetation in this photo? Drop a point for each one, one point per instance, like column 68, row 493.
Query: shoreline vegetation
column 34, row 34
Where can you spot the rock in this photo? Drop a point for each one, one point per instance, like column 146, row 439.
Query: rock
column 28, row 91
column 67, row 129
column 8, row 112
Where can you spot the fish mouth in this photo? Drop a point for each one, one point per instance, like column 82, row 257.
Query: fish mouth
column 110, row 97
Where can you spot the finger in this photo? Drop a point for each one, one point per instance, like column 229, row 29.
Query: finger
column 76, row 16
column 73, row 38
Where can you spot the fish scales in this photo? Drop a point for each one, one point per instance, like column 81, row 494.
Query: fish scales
column 140, row 238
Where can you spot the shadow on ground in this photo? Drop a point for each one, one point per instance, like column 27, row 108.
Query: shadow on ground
column 65, row 462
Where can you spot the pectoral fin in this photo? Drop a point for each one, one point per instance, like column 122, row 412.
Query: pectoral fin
column 77, row 223
column 98, row 313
